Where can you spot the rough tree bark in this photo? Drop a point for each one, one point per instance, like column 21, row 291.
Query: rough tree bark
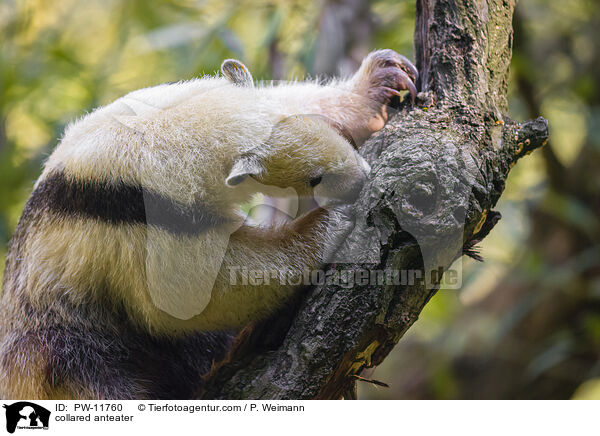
column 438, row 169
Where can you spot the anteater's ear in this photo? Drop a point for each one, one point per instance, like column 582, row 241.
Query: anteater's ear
column 237, row 73
column 245, row 166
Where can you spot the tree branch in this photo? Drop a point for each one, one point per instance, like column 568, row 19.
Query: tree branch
column 438, row 169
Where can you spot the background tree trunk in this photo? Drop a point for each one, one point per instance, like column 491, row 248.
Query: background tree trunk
column 438, row 169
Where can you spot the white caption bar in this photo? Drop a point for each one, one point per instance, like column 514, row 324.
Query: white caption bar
column 297, row 417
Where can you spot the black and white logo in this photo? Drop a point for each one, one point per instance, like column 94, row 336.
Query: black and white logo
column 26, row 415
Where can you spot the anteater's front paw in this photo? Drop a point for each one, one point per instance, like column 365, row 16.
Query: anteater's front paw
column 381, row 77
column 383, row 74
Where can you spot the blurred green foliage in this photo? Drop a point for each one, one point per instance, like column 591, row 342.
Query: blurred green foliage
column 60, row 59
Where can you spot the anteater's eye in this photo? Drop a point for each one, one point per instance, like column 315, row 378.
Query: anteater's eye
column 315, row 181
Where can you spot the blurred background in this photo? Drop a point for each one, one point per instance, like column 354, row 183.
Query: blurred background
column 526, row 323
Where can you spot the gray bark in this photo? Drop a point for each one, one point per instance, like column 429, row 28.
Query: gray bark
column 438, row 169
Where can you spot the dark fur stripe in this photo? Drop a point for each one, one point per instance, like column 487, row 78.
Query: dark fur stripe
column 118, row 203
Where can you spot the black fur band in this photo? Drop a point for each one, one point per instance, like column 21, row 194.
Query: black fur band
column 118, row 203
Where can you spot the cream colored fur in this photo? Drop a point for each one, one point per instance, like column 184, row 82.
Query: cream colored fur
column 97, row 310
column 182, row 140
